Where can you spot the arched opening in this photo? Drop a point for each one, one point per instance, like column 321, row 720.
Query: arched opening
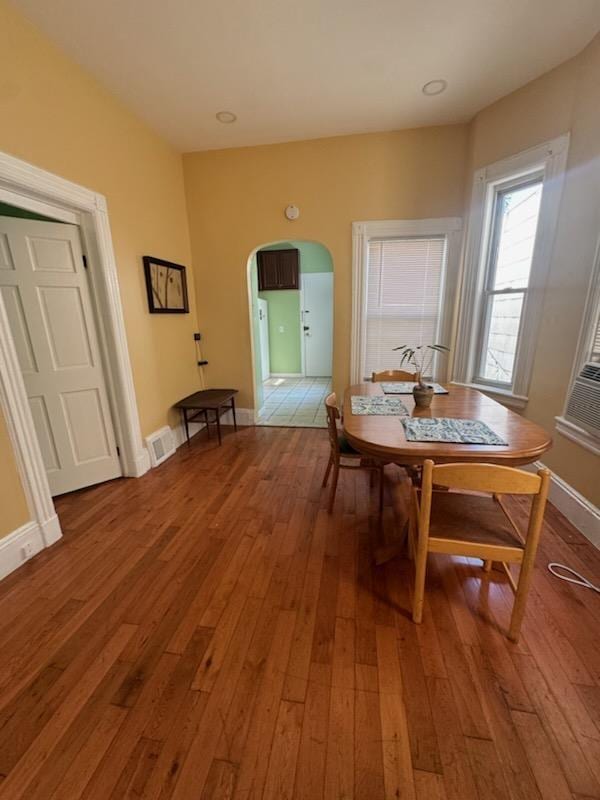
column 291, row 333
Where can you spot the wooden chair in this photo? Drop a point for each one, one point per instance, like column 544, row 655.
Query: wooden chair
column 342, row 450
column 393, row 375
column 477, row 525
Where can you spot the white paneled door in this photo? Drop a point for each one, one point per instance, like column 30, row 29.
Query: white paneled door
column 45, row 291
column 317, row 323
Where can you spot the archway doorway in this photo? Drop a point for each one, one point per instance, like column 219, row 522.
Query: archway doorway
column 292, row 333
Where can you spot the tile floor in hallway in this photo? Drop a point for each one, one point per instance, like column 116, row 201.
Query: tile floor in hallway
column 295, row 402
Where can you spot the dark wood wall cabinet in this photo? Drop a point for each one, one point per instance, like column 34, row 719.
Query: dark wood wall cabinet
column 278, row 269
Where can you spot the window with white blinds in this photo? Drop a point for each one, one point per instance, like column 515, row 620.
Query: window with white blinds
column 403, row 297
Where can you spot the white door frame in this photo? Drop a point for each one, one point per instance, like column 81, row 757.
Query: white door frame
column 34, row 189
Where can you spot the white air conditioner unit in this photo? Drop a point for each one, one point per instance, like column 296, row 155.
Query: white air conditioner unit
column 160, row 445
column 583, row 408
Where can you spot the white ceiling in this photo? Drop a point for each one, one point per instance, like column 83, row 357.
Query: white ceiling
column 311, row 68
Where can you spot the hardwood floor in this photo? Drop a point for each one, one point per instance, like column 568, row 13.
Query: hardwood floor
column 209, row 632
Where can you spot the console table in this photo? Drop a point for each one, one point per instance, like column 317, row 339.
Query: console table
column 199, row 404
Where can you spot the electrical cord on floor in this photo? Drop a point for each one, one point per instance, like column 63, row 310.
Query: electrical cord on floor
column 579, row 579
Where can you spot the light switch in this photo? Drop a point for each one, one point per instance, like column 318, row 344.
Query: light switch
column 281, row 329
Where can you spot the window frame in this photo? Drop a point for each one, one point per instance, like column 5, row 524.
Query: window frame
column 362, row 233
column 490, row 266
column 589, row 325
column 547, row 161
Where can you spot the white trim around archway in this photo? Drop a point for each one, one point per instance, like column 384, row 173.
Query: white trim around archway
column 34, row 189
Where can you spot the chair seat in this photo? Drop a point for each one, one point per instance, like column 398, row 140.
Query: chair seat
column 346, row 448
column 470, row 518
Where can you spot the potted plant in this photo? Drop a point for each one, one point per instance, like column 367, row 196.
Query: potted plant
column 421, row 358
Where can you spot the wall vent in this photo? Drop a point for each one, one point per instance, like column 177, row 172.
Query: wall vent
column 583, row 407
column 161, row 445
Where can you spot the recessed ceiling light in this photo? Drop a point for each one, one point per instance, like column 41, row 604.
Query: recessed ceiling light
column 226, row 116
column 435, row 87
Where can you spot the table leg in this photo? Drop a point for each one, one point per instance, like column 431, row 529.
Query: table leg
column 206, row 422
column 185, row 422
column 387, row 552
column 218, row 410
column 402, row 512
column 233, row 412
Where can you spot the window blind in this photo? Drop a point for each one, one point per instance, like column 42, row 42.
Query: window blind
column 404, row 281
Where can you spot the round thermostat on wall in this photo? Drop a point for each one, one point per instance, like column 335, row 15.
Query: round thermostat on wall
column 292, row 212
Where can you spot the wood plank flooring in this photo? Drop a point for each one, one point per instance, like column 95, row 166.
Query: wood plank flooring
column 209, row 631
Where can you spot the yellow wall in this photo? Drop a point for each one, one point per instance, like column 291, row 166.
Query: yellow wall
column 55, row 116
column 236, row 199
column 565, row 99
column 13, row 506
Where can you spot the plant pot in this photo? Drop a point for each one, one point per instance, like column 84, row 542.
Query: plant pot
column 423, row 395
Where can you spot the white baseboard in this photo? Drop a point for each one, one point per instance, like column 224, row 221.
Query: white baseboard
column 580, row 512
column 12, row 555
column 286, row 375
column 179, row 432
column 140, row 466
column 244, row 417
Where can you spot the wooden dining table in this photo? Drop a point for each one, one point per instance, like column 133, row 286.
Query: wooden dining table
column 382, row 437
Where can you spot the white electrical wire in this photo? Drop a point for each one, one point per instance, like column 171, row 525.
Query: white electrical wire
column 200, row 367
column 553, row 566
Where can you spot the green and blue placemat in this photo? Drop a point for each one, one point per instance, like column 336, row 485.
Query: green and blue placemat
column 406, row 387
column 363, row 404
column 443, row 429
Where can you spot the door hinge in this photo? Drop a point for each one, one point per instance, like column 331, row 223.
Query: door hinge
column 85, row 264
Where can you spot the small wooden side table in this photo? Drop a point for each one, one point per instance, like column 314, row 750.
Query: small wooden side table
column 217, row 401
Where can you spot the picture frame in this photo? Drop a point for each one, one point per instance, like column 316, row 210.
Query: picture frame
column 166, row 286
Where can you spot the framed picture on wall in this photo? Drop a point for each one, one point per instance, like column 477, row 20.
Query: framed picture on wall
column 166, row 286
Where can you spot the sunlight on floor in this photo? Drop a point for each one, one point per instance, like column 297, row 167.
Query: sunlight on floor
column 295, row 402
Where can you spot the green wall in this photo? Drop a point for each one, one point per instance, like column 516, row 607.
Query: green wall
column 284, row 346
column 313, row 257
column 284, row 309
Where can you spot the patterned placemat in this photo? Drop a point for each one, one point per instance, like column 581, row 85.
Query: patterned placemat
column 378, row 404
column 406, row 387
column 442, row 429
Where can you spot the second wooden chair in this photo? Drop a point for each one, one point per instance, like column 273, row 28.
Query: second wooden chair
column 393, row 375
column 341, row 451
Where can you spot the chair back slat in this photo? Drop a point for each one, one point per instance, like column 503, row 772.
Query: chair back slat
column 393, row 375
column 491, row 478
column 333, row 414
